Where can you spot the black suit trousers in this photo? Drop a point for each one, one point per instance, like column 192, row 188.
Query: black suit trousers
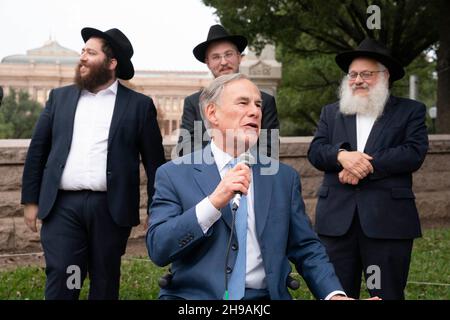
column 79, row 237
column 354, row 254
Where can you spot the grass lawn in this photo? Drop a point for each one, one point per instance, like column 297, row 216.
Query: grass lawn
column 429, row 276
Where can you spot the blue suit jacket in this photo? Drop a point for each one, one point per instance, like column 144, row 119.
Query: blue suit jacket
column 398, row 144
column 134, row 131
column 198, row 260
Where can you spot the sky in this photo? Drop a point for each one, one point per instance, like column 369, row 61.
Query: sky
column 162, row 32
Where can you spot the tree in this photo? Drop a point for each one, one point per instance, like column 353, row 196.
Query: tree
column 317, row 30
column 308, row 84
column 443, row 69
column 18, row 115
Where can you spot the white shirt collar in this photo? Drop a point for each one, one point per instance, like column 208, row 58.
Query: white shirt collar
column 111, row 89
column 220, row 157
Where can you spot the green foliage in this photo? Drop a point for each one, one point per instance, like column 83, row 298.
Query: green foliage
column 18, row 115
column 330, row 26
column 429, row 276
column 308, row 84
column 24, row 283
column 425, row 70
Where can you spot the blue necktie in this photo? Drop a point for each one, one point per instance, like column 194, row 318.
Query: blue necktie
column 236, row 285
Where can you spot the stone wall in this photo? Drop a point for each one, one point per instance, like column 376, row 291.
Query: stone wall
column 431, row 185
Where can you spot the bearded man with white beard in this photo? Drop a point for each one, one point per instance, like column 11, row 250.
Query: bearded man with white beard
column 368, row 144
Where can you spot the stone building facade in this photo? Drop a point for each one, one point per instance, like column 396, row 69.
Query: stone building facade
column 52, row 65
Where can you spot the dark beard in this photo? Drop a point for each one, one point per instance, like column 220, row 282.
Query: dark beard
column 98, row 75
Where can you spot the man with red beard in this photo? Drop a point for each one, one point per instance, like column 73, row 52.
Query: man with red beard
column 81, row 175
column 222, row 54
column 369, row 144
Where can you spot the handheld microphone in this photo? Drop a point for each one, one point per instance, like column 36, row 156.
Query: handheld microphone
column 248, row 159
column 1, row 95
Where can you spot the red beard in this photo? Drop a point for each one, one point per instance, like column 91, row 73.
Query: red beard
column 98, row 75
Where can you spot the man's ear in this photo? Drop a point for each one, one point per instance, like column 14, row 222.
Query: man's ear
column 210, row 112
column 113, row 64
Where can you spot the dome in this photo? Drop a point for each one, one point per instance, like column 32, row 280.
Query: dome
column 50, row 53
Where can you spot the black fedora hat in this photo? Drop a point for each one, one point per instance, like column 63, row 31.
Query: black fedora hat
column 371, row 48
column 121, row 46
column 216, row 33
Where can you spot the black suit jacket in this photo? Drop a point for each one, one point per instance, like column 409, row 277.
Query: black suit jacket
column 191, row 113
column 398, row 144
column 133, row 131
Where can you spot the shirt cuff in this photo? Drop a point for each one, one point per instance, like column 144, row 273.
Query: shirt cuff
column 206, row 214
column 329, row 296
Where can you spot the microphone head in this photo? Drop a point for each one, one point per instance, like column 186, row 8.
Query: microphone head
column 247, row 158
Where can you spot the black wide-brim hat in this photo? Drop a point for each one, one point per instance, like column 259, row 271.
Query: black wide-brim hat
column 218, row 33
column 371, row 48
column 121, row 46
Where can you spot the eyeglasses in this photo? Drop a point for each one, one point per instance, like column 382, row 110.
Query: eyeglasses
column 215, row 58
column 365, row 75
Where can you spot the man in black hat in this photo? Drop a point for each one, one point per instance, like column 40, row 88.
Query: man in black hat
column 81, row 175
column 222, row 53
column 368, row 144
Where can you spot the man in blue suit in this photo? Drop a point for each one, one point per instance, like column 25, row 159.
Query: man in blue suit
column 191, row 218
column 369, row 144
column 81, row 175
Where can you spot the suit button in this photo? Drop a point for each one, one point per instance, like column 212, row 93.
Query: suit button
column 229, row 270
column 108, row 173
column 234, row 246
column 357, row 189
column 61, row 166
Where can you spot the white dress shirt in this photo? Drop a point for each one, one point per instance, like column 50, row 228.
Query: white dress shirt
column 85, row 168
column 364, row 125
column 207, row 215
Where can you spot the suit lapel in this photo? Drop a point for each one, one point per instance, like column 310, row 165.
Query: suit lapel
column 207, row 178
column 122, row 98
column 72, row 103
column 262, row 187
column 379, row 125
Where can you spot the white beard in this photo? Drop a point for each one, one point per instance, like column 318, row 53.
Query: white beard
column 371, row 105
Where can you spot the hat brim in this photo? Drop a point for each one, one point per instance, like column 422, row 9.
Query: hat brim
column 396, row 71
column 200, row 50
column 125, row 67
